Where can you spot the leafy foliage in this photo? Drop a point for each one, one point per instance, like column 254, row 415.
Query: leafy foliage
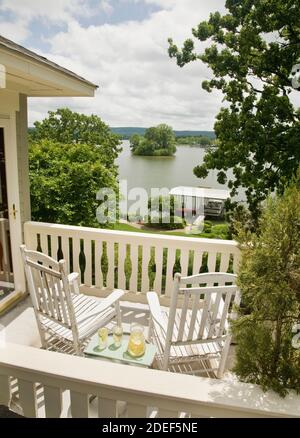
column 269, row 279
column 195, row 141
column 71, row 157
column 163, row 214
column 253, row 49
column 157, row 141
column 67, row 127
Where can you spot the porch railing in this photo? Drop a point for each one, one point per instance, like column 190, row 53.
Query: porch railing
column 135, row 262
column 54, row 382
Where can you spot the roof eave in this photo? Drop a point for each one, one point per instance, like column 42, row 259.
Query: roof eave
column 53, row 79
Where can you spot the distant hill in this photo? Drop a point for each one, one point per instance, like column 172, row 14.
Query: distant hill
column 209, row 134
column 127, row 132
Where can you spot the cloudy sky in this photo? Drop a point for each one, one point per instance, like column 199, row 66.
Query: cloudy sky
column 121, row 45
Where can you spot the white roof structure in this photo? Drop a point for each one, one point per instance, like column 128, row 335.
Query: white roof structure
column 196, row 192
column 28, row 73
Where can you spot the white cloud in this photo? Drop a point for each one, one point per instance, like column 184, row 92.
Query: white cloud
column 106, row 6
column 16, row 30
column 58, row 10
column 165, row 4
column 139, row 84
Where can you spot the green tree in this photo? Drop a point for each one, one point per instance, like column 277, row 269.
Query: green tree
column 252, row 50
column 159, row 141
column 67, row 127
column 269, row 279
column 135, row 141
column 195, row 141
column 71, row 157
column 151, row 134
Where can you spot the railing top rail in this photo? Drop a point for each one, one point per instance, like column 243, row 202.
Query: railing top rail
column 58, row 228
column 77, row 373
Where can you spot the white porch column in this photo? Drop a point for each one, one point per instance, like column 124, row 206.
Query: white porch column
column 10, row 115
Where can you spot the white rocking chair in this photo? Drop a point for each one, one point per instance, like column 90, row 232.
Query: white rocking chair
column 66, row 319
column 196, row 326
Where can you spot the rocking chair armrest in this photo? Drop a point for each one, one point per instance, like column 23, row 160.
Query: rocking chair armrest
column 113, row 297
column 109, row 301
column 74, row 276
column 155, row 310
column 73, row 280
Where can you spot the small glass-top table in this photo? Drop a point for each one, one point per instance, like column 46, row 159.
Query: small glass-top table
column 120, row 354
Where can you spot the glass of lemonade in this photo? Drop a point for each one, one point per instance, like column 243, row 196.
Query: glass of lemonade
column 102, row 337
column 117, row 335
column 137, row 343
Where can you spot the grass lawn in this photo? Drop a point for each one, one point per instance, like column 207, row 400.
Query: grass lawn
column 219, row 230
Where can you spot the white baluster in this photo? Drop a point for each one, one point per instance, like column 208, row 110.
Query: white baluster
column 53, row 401
column 27, row 391
column 79, row 405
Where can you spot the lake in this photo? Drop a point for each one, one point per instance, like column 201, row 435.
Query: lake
column 169, row 172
